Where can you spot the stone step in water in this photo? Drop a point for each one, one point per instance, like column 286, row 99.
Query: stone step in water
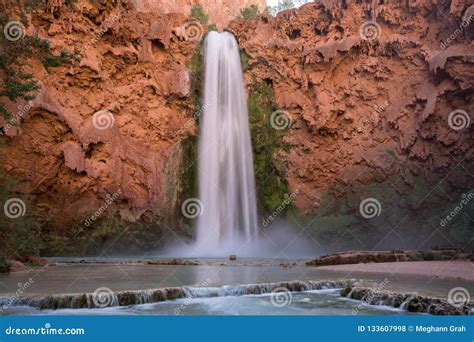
column 104, row 297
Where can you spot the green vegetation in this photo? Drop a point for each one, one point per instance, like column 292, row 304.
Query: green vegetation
column 431, row 256
column 415, row 256
column 109, row 232
column 266, row 142
column 4, row 266
column 196, row 68
column 249, row 13
column 348, row 286
column 198, row 13
column 18, row 84
column 188, row 178
column 22, row 236
column 64, row 57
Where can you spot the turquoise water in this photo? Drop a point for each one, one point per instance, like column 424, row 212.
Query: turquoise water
column 319, row 302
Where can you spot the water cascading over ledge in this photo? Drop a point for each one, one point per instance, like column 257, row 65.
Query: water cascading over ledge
column 225, row 161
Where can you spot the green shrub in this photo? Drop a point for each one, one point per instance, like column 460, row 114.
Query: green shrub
column 197, row 12
column 23, row 238
column 54, row 61
column 249, row 13
column 16, row 83
column 348, row 286
column 431, row 256
column 4, row 266
column 415, row 256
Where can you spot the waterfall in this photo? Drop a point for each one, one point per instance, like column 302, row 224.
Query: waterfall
column 225, row 162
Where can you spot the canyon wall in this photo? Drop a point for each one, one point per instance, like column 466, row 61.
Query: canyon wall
column 369, row 93
column 366, row 90
column 220, row 12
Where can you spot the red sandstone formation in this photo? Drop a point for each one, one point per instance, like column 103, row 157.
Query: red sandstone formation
column 351, row 99
column 220, row 12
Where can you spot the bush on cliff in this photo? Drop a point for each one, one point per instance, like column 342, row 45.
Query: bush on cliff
column 249, row 13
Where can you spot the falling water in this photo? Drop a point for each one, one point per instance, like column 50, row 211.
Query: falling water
column 226, row 177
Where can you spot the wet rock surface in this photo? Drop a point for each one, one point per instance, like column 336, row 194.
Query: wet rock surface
column 356, row 257
column 409, row 302
column 106, row 297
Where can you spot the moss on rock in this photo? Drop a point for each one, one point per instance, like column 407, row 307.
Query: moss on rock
column 272, row 186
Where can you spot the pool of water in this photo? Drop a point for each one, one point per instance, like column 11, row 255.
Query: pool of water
column 319, row 302
column 80, row 278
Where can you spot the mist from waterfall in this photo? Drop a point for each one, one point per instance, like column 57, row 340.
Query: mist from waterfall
column 227, row 221
column 225, row 162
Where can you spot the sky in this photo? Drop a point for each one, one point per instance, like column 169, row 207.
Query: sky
column 272, row 3
column 275, row 2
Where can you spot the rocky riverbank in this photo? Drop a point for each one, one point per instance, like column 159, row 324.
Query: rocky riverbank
column 409, row 302
column 103, row 297
column 356, row 257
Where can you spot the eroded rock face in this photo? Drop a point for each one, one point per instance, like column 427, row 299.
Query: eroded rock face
column 219, row 12
column 369, row 90
column 111, row 123
column 364, row 111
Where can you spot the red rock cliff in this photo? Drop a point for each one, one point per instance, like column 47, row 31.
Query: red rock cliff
column 369, row 106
